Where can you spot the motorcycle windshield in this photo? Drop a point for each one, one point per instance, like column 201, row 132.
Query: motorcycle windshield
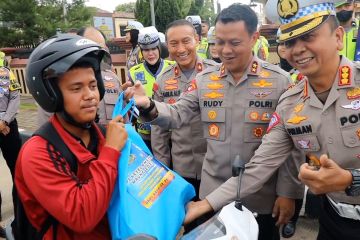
column 212, row 229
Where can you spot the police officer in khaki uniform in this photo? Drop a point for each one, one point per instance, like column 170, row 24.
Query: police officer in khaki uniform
column 188, row 145
column 10, row 142
column 148, row 71
column 132, row 34
column 235, row 102
column 111, row 82
column 319, row 116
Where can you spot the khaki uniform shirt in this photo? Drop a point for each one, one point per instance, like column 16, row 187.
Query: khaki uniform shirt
column 112, row 90
column 303, row 122
column 235, row 116
column 188, row 143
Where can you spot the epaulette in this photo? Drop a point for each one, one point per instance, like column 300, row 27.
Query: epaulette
column 210, row 62
column 274, row 68
column 295, row 89
column 210, row 69
column 169, row 68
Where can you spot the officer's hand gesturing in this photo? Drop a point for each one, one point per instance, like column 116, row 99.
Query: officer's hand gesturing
column 116, row 134
column 138, row 92
column 329, row 178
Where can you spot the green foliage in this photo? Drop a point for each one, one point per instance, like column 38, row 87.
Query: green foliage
column 142, row 12
column 165, row 13
column 27, row 22
column 196, row 7
column 208, row 12
column 125, row 7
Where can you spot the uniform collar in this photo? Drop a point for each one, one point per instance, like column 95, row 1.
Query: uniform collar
column 199, row 66
column 344, row 79
column 254, row 68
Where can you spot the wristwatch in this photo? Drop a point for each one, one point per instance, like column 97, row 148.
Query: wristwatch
column 145, row 111
column 354, row 188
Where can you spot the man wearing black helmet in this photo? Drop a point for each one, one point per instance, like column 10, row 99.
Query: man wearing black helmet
column 64, row 77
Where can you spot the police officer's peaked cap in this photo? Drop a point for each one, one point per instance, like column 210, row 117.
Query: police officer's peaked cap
column 195, row 19
column 338, row 4
column 298, row 17
column 133, row 25
column 54, row 57
column 148, row 38
column 211, row 36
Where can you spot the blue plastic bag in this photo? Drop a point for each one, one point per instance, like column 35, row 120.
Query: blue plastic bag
column 148, row 197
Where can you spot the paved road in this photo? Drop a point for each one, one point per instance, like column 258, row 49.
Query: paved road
column 307, row 228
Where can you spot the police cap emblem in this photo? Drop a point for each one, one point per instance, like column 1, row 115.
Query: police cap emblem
column 287, row 8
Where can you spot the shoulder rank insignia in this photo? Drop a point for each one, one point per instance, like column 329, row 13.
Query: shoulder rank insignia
column 199, row 67
column 353, row 93
column 262, row 83
column 176, row 71
column 344, row 76
column 354, row 105
column 296, row 119
column 222, row 70
column 254, row 67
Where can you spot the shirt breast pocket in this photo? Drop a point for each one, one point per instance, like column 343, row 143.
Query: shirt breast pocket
column 351, row 136
column 214, row 123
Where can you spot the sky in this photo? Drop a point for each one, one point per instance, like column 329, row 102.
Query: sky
column 110, row 5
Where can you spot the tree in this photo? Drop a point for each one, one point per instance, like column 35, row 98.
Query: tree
column 184, row 6
column 196, row 7
column 19, row 22
column 207, row 12
column 126, row 7
column 27, row 22
column 165, row 13
column 142, row 12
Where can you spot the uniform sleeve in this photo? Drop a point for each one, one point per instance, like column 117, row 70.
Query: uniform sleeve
column 175, row 115
column 271, row 154
column 288, row 184
column 78, row 205
column 160, row 138
column 13, row 106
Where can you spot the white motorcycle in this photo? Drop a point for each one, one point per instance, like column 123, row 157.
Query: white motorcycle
column 233, row 222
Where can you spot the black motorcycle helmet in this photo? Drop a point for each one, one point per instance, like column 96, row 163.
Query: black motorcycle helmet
column 54, row 57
